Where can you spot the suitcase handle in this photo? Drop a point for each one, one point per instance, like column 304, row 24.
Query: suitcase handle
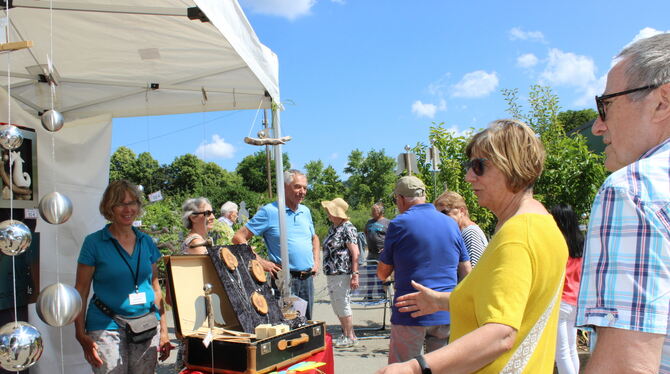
column 284, row 343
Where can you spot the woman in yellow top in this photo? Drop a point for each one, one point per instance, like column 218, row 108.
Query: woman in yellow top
column 504, row 314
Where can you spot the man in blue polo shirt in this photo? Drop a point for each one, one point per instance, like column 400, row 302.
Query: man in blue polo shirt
column 303, row 243
column 425, row 246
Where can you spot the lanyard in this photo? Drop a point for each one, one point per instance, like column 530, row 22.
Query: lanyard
column 139, row 255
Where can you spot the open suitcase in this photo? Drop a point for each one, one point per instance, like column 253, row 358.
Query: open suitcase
column 226, row 317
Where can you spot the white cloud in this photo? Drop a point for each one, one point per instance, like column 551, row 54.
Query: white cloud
column 516, row 33
column 646, row 32
column 218, row 148
column 290, row 9
column 428, row 109
column 476, row 84
column 527, row 60
column 569, row 69
column 590, row 90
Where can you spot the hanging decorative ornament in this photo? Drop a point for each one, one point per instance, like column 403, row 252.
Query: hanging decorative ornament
column 140, row 187
column 55, row 208
column 58, row 305
column 52, row 120
column 15, row 237
column 10, row 137
column 20, row 346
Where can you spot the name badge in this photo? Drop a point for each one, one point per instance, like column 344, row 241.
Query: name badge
column 137, row 298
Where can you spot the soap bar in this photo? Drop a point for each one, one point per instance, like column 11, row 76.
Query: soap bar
column 277, row 330
column 262, row 331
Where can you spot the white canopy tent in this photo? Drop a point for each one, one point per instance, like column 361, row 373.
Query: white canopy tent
column 119, row 58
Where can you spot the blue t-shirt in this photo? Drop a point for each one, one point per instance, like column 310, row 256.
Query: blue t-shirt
column 426, row 246
column 113, row 281
column 299, row 232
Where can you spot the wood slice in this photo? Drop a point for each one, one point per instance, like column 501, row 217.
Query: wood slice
column 228, row 258
column 259, row 303
column 257, row 271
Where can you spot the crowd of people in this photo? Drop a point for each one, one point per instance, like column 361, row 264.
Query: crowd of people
column 463, row 302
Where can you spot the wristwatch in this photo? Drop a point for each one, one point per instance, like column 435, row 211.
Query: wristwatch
column 425, row 369
column 355, row 273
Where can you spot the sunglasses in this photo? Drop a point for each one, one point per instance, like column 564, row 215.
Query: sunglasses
column 477, row 166
column 206, row 213
column 601, row 101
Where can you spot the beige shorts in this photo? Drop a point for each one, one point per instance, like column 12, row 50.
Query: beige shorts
column 339, row 288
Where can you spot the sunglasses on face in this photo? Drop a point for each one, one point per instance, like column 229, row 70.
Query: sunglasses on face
column 206, row 213
column 477, row 166
column 601, row 101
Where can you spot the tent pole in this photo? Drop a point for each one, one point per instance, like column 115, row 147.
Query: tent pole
column 281, row 205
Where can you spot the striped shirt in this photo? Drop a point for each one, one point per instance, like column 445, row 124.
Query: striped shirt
column 626, row 271
column 475, row 242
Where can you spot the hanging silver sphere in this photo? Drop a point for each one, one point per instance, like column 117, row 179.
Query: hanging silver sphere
column 10, row 137
column 140, row 187
column 55, row 208
column 20, row 346
column 207, row 288
column 52, row 120
column 58, row 305
column 15, row 237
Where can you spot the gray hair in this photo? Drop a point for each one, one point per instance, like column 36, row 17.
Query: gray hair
column 289, row 175
column 191, row 206
column 379, row 207
column 228, row 207
column 415, row 199
column 647, row 63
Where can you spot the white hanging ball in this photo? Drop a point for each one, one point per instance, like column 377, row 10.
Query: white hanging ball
column 52, row 120
column 20, row 346
column 55, row 208
column 15, row 237
column 10, row 137
column 58, row 305
column 140, row 187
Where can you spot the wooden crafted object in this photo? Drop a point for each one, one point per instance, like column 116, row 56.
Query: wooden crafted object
column 252, row 300
column 15, row 46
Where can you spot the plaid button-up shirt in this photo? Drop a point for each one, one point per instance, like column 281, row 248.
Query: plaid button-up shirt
column 626, row 271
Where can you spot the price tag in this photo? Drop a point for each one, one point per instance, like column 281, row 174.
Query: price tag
column 31, row 213
column 137, row 223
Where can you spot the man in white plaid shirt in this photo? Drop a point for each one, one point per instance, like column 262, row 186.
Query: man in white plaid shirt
column 625, row 288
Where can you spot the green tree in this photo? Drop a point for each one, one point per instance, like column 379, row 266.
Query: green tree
column 572, row 174
column 572, row 119
column 253, row 171
column 371, row 178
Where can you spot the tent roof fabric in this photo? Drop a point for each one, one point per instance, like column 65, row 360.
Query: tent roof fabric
column 107, row 62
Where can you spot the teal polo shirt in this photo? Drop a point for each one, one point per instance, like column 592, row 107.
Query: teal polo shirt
column 299, row 231
column 113, row 281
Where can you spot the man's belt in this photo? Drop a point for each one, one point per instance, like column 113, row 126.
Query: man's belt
column 302, row 275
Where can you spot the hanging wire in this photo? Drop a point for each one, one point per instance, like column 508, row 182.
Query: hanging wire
column 255, row 116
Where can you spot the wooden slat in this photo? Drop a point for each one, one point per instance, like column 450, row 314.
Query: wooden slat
column 14, row 46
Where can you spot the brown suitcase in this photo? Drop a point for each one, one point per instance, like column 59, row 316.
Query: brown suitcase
column 231, row 350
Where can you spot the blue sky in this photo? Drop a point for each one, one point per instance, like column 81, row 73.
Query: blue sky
column 373, row 74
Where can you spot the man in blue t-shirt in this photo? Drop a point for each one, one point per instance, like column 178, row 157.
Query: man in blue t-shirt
column 425, row 246
column 303, row 243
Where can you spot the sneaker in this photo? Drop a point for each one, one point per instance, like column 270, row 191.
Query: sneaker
column 344, row 342
column 354, row 341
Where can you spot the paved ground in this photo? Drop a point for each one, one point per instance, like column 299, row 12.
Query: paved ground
column 367, row 357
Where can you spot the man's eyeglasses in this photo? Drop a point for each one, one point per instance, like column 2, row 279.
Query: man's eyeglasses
column 601, row 101
column 477, row 165
column 206, row 213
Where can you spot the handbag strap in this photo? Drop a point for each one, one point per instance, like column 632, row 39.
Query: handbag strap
column 109, row 312
column 517, row 363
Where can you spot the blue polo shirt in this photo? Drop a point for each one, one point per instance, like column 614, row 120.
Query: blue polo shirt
column 299, row 232
column 426, row 246
column 113, row 281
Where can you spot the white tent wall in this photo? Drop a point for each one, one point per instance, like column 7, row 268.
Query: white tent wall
column 80, row 171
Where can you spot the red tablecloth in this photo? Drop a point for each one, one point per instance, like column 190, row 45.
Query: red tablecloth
column 324, row 356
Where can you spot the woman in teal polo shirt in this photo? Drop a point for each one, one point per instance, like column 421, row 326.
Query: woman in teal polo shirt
column 120, row 261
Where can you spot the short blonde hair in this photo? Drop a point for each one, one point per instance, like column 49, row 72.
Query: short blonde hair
column 114, row 195
column 450, row 200
column 513, row 148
